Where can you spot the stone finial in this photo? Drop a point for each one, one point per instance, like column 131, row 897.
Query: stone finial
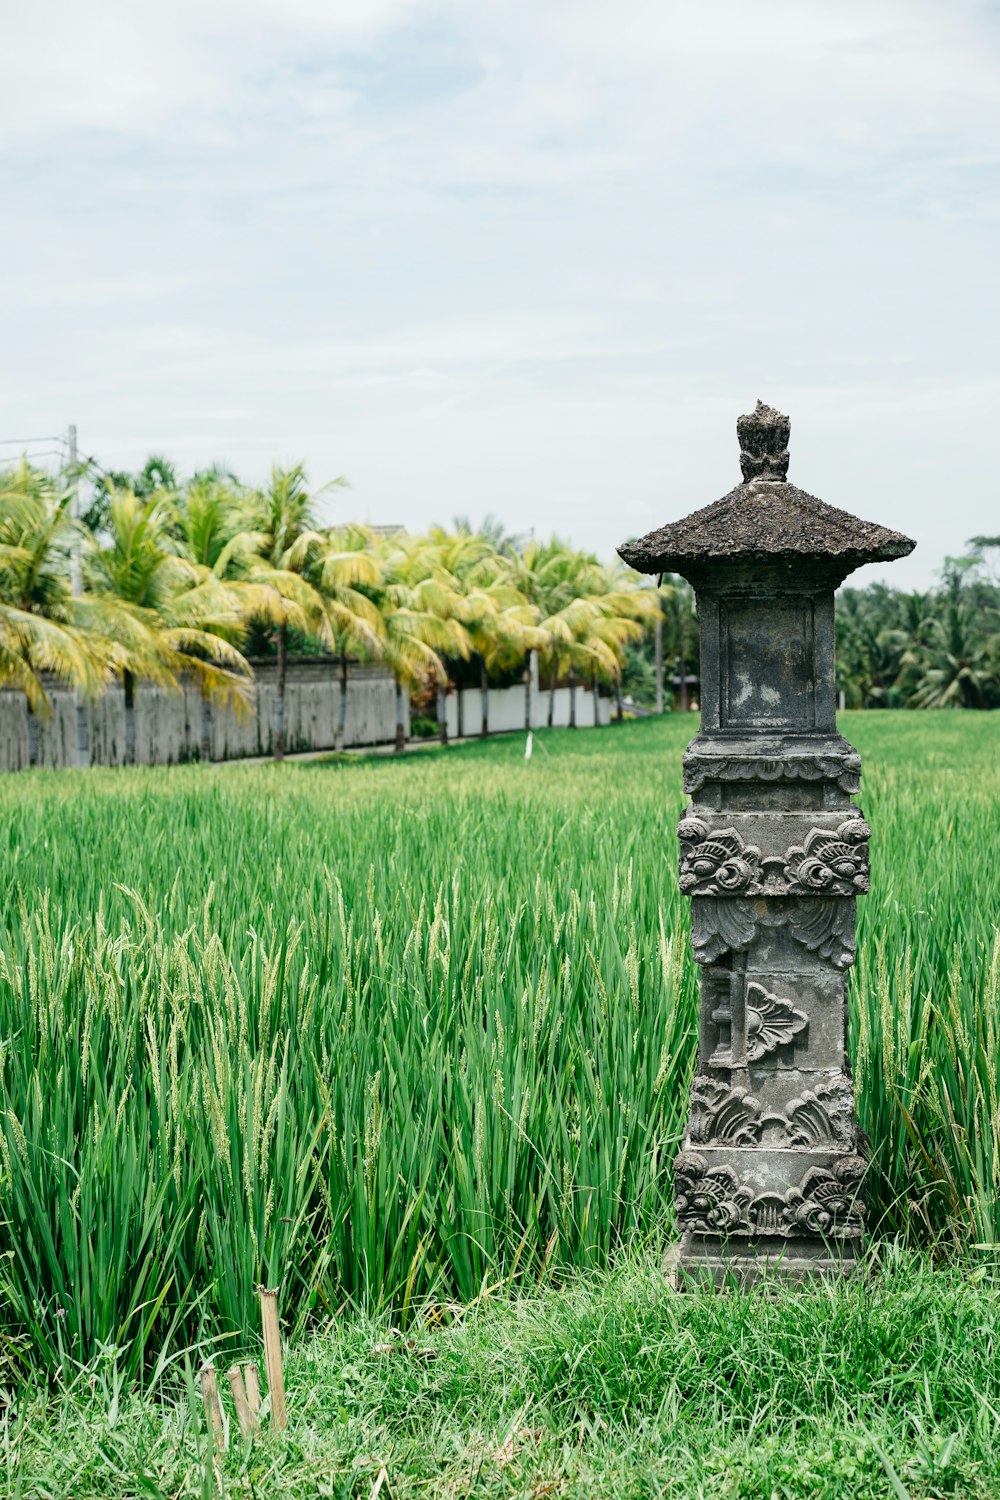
column 763, row 435
column 770, row 521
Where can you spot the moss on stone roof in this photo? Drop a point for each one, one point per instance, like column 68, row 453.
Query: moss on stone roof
column 765, row 517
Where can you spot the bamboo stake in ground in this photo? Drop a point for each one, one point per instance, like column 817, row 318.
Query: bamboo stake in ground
column 245, row 1417
column 252, row 1378
column 213, row 1407
column 272, row 1356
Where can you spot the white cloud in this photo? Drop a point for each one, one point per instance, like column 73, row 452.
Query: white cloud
column 515, row 257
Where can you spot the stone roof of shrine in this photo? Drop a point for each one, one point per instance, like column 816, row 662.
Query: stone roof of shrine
column 765, row 516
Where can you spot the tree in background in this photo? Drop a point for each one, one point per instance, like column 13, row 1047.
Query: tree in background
column 500, row 622
column 169, row 617
column 347, row 574
column 932, row 649
column 587, row 615
column 43, row 628
column 421, row 610
column 280, row 551
column 627, row 611
column 955, row 659
column 178, row 577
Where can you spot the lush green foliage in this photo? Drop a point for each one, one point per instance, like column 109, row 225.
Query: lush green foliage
column 939, row 649
column 935, row 649
column 170, row 580
column 386, row 1032
column 175, row 577
column 608, row 1388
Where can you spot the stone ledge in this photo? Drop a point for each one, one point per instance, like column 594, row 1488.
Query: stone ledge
column 746, row 1262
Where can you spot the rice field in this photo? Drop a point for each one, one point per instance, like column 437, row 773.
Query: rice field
column 389, row 1033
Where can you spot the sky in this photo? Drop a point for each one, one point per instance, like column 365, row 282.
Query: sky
column 523, row 259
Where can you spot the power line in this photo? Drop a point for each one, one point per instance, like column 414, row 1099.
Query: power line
column 66, row 446
column 33, row 457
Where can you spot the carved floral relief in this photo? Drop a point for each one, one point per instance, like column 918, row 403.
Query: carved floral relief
column 831, row 863
column 824, row 927
column 771, row 1022
column 844, row 770
column 724, row 1114
column 827, row 1202
column 714, row 862
column 708, row 1198
column 822, row 1116
column 717, row 862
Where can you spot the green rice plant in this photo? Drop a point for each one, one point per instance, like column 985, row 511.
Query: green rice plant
column 924, row 990
column 393, row 1034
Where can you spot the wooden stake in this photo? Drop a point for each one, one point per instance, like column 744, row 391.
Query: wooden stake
column 252, row 1377
column 213, row 1407
column 272, row 1356
column 245, row 1417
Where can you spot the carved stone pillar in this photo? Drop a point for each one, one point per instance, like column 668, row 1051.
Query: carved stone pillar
column 773, row 853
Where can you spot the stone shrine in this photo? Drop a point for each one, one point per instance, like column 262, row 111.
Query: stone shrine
column 773, row 853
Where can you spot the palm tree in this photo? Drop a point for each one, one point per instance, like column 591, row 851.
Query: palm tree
column 680, row 631
column 211, row 524
column 42, row 628
column 958, row 665
column 623, row 609
column 167, row 615
column 587, row 614
column 348, row 577
column 279, row 551
column 499, row 621
column 545, row 574
column 421, row 613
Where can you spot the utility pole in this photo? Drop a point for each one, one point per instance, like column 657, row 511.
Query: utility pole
column 658, row 643
column 76, row 565
column 82, row 715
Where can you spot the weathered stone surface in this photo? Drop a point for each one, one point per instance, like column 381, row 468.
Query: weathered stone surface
column 765, row 517
column 791, row 1109
column 745, row 1262
column 756, row 1013
column 741, row 1190
column 706, row 765
column 773, row 853
column 763, row 435
column 823, row 927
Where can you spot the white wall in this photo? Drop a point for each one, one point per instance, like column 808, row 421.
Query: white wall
column 507, row 709
column 169, row 725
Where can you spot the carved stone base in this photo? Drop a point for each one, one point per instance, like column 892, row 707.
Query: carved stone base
column 705, row 1260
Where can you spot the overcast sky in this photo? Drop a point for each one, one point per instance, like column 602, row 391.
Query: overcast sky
column 526, row 258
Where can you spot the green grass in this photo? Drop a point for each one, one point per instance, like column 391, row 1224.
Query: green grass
column 388, row 1034
column 610, row 1386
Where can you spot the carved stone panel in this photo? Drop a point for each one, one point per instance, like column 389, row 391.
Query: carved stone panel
column 722, row 1112
column 823, row 927
column 830, row 864
column 719, row 861
column 843, row 768
column 786, row 857
column 771, row 1022
column 713, row 1196
column 793, row 1110
column 822, row 1115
